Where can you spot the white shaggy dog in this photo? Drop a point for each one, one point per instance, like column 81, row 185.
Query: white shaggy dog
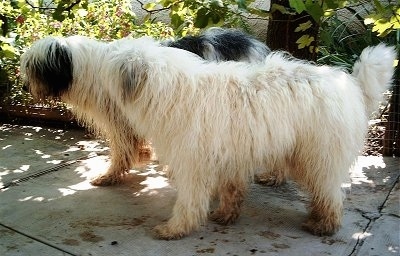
column 215, row 123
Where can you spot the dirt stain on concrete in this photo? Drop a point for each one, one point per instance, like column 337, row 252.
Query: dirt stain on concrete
column 280, row 246
column 89, row 236
column 206, row 250
column 128, row 222
column 72, row 242
column 269, row 235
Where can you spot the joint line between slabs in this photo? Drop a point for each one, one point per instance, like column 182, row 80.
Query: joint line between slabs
column 38, row 240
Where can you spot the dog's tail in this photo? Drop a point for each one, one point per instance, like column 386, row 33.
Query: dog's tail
column 374, row 71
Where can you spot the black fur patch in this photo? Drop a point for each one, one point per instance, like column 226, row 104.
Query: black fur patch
column 56, row 71
column 229, row 44
column 190, row 43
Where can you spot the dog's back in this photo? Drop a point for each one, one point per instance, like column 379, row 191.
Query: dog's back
column 217, row 44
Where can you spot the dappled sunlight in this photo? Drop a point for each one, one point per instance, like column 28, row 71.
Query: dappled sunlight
column 5, row 147
column 84, row 185
column 86, row 170
column 22, row 168
column 32, row 198
column 153, row 180
column 35, row 149
column 66, row 191
column 87, row 145
column 152, row 184
column 357, row 172
column 361, row 235
column 93, row 166
column 147, row 180
column 393, row 249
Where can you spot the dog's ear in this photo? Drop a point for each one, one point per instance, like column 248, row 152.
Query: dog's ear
column 133, row 76
column 56, row 70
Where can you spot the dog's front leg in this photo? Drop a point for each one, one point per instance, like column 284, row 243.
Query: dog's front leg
column 125, row 151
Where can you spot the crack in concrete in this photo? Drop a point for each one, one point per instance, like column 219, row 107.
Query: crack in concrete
column 38, row 240
column 372, row 217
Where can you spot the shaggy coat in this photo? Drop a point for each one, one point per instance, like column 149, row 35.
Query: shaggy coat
column 217, row 44
column 214, row 124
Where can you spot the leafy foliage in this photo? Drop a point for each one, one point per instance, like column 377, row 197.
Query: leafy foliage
column 342, row 40
column 190, row 15
column 385, row 19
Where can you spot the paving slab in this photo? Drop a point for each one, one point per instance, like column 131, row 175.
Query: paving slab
column 14, row 244
column 58, row 212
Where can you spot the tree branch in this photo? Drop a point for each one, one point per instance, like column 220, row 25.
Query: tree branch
column 157, row 10
column 38, row 7
column 68, row 9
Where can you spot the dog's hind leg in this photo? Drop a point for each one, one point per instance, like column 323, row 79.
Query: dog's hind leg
column 192, row 204
column 325, row 216
column 231, row 196
column 326, row 204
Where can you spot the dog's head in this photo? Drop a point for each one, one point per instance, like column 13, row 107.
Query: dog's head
column 47, row 68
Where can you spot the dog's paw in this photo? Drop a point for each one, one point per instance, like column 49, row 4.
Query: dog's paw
column 321, row 227
column 165, row 232
column 106, row 180
column 223, row 218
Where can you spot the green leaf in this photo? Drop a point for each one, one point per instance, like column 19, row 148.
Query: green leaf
column 379, row 6
column 315, row 10
column 282, row 9
column 304, row 40
column 241, row 4
column 58, row 14
column 149, row 6
column 217, row 3
column 259, row 12
column 332, row 4
column 395, row 21
column 382, row 27
column 215, row 18
column 176, row 20
column 298, row 5
column 303, row 26
column 7, row 51
column 201, row 19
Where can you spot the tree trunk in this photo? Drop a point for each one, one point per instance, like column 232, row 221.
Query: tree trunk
column 281, row 35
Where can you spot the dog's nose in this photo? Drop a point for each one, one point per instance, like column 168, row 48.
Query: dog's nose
column 25, row 87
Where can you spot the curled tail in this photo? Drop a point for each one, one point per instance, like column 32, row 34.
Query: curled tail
column 374, row 71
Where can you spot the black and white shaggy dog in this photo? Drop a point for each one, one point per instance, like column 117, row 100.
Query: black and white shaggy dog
column 213, row 123
column 218, row 44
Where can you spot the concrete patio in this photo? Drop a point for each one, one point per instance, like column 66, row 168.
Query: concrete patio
column 48, row 207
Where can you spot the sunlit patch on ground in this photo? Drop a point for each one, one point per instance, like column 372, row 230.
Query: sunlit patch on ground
column 357, row 172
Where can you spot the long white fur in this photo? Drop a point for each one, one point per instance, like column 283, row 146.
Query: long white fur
column 214, row 124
